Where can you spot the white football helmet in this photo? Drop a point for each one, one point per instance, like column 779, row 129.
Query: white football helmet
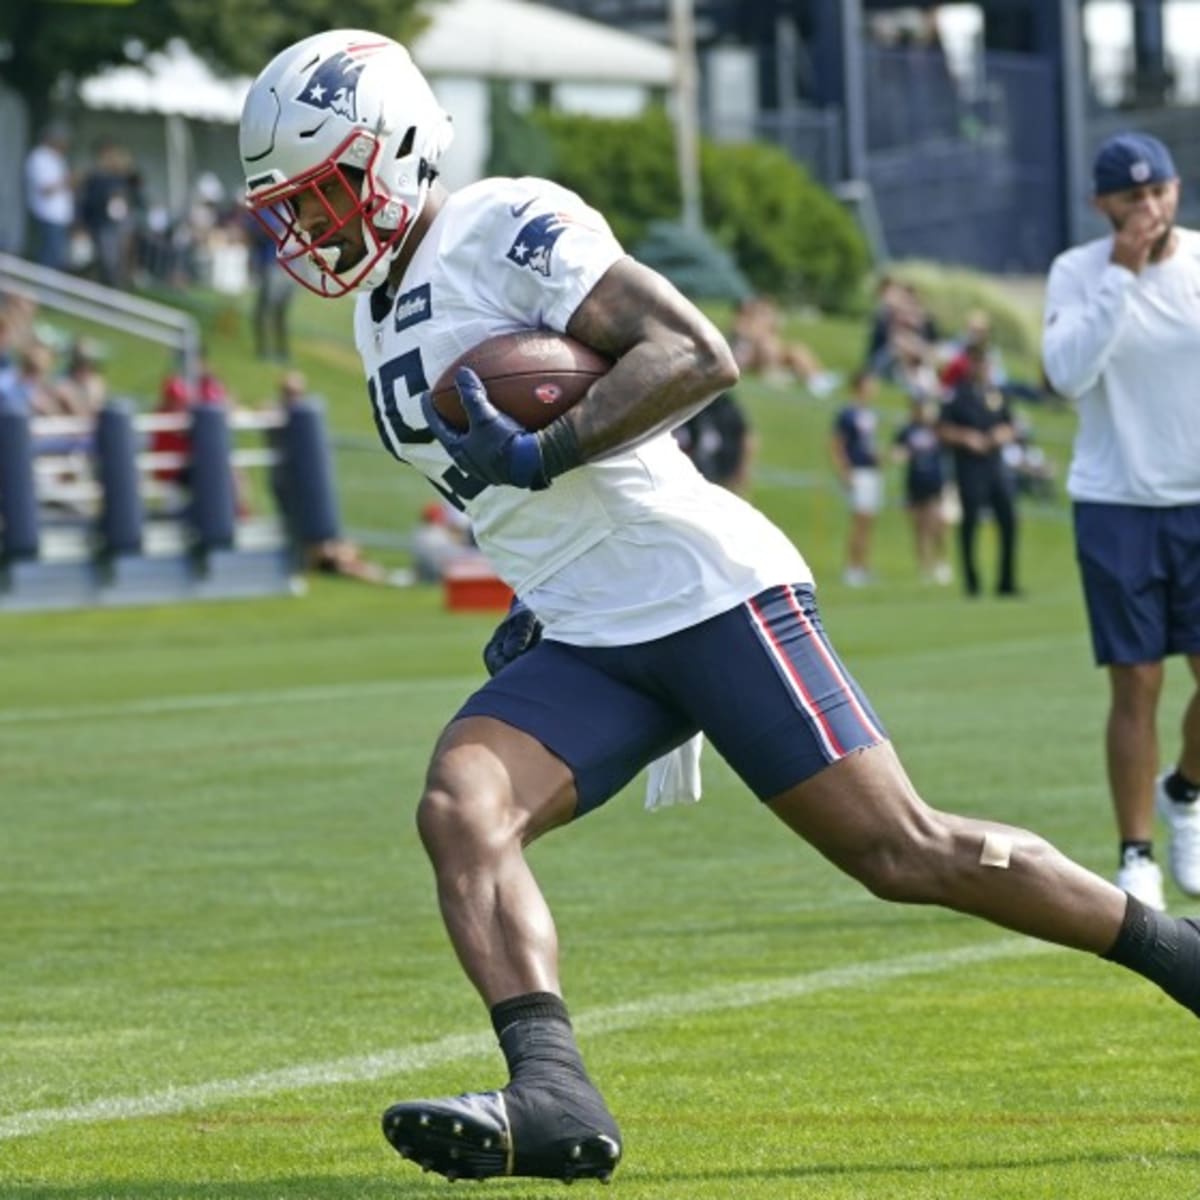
column 346, row 98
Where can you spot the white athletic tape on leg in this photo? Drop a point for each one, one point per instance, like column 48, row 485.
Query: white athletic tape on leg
column 997, row 850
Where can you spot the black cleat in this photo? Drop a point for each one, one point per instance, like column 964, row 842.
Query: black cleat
column 470, row 1136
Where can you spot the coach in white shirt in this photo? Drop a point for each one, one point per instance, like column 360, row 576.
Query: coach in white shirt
column 50, row 197
column 1122, row 338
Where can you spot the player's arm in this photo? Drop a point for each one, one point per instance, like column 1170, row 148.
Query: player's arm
column 670, row 360
column 1081, row 325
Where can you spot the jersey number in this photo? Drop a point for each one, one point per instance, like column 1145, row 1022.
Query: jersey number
column 455, row 485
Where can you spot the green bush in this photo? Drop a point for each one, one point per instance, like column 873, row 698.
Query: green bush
column 693, row 262
column 789, row 236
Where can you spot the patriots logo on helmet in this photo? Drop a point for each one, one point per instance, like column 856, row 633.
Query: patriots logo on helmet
column 333, row 86
column 535, row 242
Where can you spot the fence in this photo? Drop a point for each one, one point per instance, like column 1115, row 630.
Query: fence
column 91, row 513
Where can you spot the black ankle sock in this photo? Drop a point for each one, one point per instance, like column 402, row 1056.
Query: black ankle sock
column 529, row 1007
column 1163, row 949
column 1135, row 849
column 536, row 1036
column 551, row 1103
column 1181, row 789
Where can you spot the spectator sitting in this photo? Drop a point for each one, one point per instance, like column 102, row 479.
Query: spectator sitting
column 442, row 536
column 760, row 348
column 82, row 389
column 901, row 331
column 27, row 390
column 978, row 334
column 180, row 393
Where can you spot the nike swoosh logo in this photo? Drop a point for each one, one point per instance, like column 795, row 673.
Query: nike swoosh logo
column 518, row 210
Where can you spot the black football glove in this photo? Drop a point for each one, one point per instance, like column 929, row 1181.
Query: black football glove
column 494, row 448
column 519, row 631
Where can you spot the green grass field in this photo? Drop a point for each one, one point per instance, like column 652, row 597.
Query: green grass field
column 222, row 956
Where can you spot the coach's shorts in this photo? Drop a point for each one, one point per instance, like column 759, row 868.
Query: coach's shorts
column 761, row 682
column 1141, row 579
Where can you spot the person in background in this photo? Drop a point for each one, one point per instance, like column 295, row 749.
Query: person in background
column 918, row 448
column 82, row 389
column 1121, row 338
column 107, row 206
column 28, row 391
column 273, row 292
column 856, row 459
column 976, row 423
column 50, row 197
column 720, row 441
column 181, row 391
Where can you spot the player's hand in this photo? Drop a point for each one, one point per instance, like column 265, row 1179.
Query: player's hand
column 1134, row 242
column 519, row 631
column 494, row 448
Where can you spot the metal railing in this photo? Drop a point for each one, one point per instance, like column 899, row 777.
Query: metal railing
column 109, row 307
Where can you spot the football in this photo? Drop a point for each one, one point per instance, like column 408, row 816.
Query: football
column 532, row 376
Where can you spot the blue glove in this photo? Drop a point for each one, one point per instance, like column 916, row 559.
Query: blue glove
column 519, row 631
column 494, row 448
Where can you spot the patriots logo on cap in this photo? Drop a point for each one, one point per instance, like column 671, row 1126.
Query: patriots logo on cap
column 333, row 85
column 535, row 243
column 1140, row 171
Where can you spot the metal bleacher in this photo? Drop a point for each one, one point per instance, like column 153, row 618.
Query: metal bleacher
column 91, row 512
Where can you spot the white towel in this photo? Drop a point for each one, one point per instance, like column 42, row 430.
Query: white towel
column 675, row 778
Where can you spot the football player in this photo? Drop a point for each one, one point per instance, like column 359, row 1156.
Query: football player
column 667, row 602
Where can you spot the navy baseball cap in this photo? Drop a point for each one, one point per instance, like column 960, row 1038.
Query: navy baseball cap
column 1129, row 160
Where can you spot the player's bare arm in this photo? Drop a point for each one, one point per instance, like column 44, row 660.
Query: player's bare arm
column 670, row 359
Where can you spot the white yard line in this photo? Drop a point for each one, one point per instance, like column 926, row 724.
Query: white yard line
column 609, row 1019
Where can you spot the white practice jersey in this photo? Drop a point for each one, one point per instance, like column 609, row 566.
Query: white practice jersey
column 619, row 551
column 1126, row 347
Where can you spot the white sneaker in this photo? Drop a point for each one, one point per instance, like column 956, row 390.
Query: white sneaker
column 1142, row 879
column 1183, row 820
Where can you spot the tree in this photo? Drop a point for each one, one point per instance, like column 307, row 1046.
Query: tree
column 51, row 44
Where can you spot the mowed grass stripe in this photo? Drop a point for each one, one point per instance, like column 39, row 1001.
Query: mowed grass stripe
column 168, row 705
column 608, row 1019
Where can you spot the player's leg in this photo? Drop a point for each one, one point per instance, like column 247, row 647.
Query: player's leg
column 490, row 790
column 806, row 740
column 519, row 761
column 865, row 816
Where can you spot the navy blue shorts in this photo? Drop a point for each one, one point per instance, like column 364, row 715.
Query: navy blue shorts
column 762, row 682
column 1141, row 580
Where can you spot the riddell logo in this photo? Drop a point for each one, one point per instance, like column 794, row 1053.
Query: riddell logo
column 413, row 307
column 547, row 393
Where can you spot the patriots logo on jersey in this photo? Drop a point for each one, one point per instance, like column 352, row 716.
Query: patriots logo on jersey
column 535, row 243
column 333, row 85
